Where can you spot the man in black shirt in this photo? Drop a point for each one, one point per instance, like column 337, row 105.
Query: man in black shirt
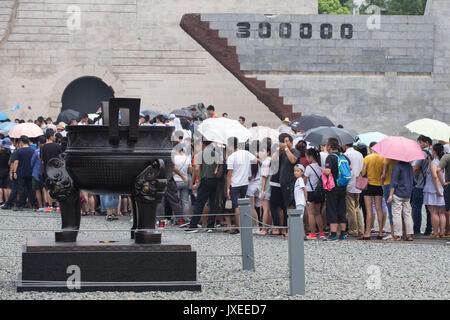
column 288, row 158
column 47, row 152
column 336, row 206
column 23, row 173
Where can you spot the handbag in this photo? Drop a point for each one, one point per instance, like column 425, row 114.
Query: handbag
column 328, row 182
column 361, row 183
column 318, row 192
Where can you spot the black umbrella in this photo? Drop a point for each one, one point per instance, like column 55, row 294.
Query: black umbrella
column 308, row 122
column 319, row 136
column 67, row 115
column 181, row 113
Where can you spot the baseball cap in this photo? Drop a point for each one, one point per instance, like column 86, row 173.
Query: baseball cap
column 299, row 166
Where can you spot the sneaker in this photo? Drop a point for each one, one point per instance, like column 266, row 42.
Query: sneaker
column 41, row 209
column 311, row 237
column 255, row 230
column 184, row 225
column 48, row 210
column 388, row 237
column 342, row 237
column 235, row 231
column 331, row 239
column 161, row 224
column 17, row 209
column 57, row 210
column 181, row 222
column 209, row 230
column 5, row 207
column 191, row 230
column 322, row 235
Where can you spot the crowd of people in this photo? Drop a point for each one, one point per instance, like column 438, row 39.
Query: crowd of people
column 326, row 182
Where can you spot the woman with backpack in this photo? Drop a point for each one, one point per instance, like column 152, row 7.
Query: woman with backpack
column 312, row 176
column 433, row 193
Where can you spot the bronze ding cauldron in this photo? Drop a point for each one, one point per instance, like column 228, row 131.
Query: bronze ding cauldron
column 113, row 159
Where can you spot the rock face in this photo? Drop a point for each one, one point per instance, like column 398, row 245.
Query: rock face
column 135, row 46
column 365, row 72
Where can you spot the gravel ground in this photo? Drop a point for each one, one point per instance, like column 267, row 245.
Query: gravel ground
column 341, row 270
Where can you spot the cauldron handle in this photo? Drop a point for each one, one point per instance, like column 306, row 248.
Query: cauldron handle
column 115, row 104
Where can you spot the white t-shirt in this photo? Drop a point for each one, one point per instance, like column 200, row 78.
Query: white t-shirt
column 323, row 158
column 313, row 178
column 446, row 148
column 299, row 194
column 357, row 163
column 240, row 162
column 182, row 163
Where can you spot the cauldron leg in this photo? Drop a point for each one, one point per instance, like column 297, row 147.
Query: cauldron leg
column 71, row 218
column 134, row 209
column 146, row 221
column 62, row 188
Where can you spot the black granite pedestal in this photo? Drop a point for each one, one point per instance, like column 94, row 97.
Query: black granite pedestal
column 114, row 265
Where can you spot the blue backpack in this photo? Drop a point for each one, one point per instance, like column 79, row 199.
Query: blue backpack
column 345, row 174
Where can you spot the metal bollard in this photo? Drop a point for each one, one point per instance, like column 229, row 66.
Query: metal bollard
column 296, row 252
column 245, row 221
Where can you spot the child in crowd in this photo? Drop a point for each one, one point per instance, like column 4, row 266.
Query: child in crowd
column 300, row 192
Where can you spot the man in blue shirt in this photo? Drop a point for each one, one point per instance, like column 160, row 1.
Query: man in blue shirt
column 402, row 180
column 23, row 173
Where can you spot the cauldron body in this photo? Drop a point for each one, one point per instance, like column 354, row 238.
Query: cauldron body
column 113, row 159
column 99, row 167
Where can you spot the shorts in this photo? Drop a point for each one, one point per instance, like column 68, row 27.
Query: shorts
column 374, row 191
column 237, row 193
column 447, row 197
column 254, row 190
column 267, row 195
column 287, row 194
column 36, row 185
column 4, row 182
column 312, row 198
column 336, row 205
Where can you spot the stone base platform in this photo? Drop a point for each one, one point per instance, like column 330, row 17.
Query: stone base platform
column 108, row 265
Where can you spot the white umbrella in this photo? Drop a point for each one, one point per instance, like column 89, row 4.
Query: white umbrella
column 221, row 129
column 431, row 128
column 260, row 133
column 26, row 129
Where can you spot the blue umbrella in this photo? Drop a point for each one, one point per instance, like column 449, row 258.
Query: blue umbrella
column 7, row 126
column 3, row 116
column 369, row 137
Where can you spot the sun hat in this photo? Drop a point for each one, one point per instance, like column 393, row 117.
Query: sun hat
column 286, row 120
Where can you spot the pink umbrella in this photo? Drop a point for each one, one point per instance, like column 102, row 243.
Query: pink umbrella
column 399, row 148
column 26, row 129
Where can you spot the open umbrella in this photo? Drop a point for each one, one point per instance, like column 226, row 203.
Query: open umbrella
column 305, row 123
column 221, row 129
column 7, row 126
column 181, row 113
column 3, row 116
column 68, row 115
column 26, row 129
column 319, row 136
column 433, row 129
column 369, row 137
column 399, row 148
column 260, row 133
